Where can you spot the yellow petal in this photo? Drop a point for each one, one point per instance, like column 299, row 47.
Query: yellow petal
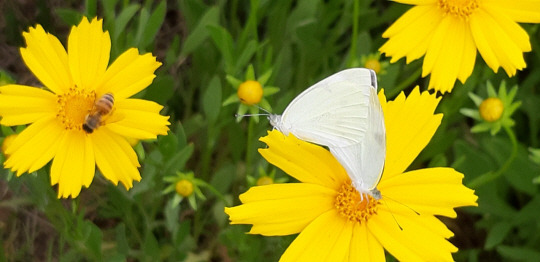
column 469, row 56
column 73, row 165
column 115, row 158
column 415, row 241
column 411, row 33
column 139, row 119
column 88, row 48
column 306, row 162
column 435, row 191
column 364, row 246
column 514, row 31
column 410, row 124
column 451, row 48
column 281, row 209
column 523, row 11
column 507, row 51
column 327, row 238
column 35, row 146
column 21, row 105
column 128, row 74
column 47, row 59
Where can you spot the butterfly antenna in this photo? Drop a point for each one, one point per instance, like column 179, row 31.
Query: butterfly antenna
column 237, row 115
column 268, row 113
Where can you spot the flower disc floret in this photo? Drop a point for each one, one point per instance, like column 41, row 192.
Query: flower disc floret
column 459, row 8
column 352, row 206
column 250, row 92
column 73, row 106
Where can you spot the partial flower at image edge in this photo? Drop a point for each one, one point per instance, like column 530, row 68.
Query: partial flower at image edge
column 74, row 81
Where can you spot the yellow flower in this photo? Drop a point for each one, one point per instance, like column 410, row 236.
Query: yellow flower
column 448, row 33
column 184, row 188
column 333, row 223
column 491, row 109
column 75, row 80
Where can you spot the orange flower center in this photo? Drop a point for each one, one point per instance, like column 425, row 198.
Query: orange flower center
column 351, row 205
column 73, row 106
column 460, row 8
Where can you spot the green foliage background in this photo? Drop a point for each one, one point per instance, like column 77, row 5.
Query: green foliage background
column 301, row 42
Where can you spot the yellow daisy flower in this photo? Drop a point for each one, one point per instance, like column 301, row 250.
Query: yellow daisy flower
column 75, row 81
column 333, row 223
column 448, row 33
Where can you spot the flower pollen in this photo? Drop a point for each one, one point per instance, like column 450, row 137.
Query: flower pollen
column 73, row 106
column 351, row 205
column 459, row 8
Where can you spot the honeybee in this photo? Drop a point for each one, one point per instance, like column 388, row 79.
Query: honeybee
column 102, row 107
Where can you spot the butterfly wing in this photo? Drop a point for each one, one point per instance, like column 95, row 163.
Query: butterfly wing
column 333, row 112
column 364, row 161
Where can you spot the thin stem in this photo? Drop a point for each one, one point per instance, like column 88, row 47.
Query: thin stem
column 354, row 36
column 490, row 176
column 249, row 146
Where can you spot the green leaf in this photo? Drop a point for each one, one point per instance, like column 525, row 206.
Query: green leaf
column 472, row 113
column 233, row 81
column 224, row 43
column 518, row 253
column 270, row 90
column 497, row 234
column 177, row 162
column 69, row 16
column 200, row 33
column 150, row 247
column 247, row 53
column 231, row 99
column 123, row 19
column 212, row 99
column 91, row 8
column 161, row 90
column 263, row 79
column 154, row 24
column 250, row 73
column 144, row 15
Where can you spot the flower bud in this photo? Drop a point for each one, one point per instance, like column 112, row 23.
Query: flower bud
column 250, row 92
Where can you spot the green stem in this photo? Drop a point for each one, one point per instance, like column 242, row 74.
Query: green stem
column 490, row 176
column 249, row 147
column 354, row 36
column 405, row 83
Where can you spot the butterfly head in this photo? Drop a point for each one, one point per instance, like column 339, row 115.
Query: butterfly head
column 275, row 121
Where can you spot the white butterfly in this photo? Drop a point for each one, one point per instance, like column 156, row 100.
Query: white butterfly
column 343, row 113
column 364, row 161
